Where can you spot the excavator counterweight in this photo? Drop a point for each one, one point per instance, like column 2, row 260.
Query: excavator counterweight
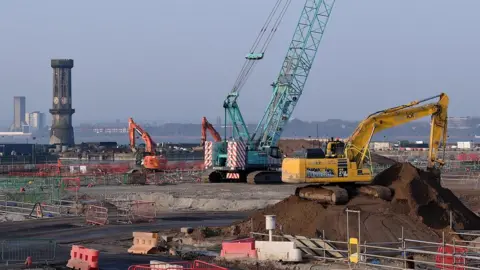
column 345, row 168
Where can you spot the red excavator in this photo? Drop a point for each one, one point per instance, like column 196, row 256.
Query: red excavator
column 148, row 159
column 206, row 125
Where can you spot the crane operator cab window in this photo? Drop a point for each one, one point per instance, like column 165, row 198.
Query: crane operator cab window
column 274, row 152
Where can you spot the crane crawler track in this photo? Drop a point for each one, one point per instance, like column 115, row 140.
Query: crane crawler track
column 264, row 177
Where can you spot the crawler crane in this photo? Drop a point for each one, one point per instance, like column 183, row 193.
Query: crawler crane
column 341, row 169
column 255, row 158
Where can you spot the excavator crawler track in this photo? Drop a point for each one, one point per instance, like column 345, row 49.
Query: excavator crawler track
column 323, row 194
column 381, row 192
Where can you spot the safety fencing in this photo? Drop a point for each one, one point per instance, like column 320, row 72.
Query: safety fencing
column 96, row 215
column 37, row 250
column 143, row 211
column 54, row 169
column 89, row 169
column 121, row 211
column 195, row 265
column 38, row 210
column 136, row 211
column 53, row 208
column 406, row 253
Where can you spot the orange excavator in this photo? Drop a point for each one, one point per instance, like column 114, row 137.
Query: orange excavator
column 213, row 132
column 149, row 159
column 206, row 125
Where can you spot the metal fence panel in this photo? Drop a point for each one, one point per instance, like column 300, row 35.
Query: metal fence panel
column 19, row 249
column 96, row 215
column 143, row 211
column 195, row 265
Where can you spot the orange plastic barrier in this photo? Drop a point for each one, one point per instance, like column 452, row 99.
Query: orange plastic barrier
column 243, row 248
column 144, row 243
column 83, row 258
column 451, row 262
column 96, row 215
column 195, row 265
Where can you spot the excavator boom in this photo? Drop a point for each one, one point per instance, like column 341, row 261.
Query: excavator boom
column 357, row 144
column 213, row 132
column 134, row 127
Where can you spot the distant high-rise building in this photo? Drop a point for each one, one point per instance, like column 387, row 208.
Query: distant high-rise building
column 27, row 118
column 36, row 120
column 42, row 121
column 18, row 114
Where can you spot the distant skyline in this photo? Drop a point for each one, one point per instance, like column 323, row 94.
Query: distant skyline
column 175, row 61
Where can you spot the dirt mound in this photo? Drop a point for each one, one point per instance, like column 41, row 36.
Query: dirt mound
column 427, row 200
column 420, row 206
column 380, row 220
column 379, row 159
column 288, row 147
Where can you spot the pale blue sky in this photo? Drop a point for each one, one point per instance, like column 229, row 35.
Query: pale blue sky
column 175, row 61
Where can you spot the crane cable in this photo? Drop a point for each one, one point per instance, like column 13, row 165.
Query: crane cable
column 267, row 42
column 249, row 64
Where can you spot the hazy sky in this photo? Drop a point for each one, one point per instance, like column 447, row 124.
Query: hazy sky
column 175, row 61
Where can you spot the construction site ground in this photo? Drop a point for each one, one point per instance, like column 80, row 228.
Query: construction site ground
column 213, row 208
column 199, row 196
column 230, row 196
column 114, row 240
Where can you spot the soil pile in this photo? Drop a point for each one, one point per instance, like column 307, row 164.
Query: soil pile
column 288, row 147
column 420, row 206
column 427, row 200
column 379, row 159
column 380, row 220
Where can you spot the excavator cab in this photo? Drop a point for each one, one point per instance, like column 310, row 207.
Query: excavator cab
column 335, row 149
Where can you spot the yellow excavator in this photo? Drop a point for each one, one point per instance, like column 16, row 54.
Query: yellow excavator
column 344, row 168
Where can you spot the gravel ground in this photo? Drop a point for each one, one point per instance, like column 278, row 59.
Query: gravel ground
column 215, row 197
column 199, row 196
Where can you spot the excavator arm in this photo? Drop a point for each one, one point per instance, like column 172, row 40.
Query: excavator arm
column 207, row 126
column 134, row 127
column 358, row 144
